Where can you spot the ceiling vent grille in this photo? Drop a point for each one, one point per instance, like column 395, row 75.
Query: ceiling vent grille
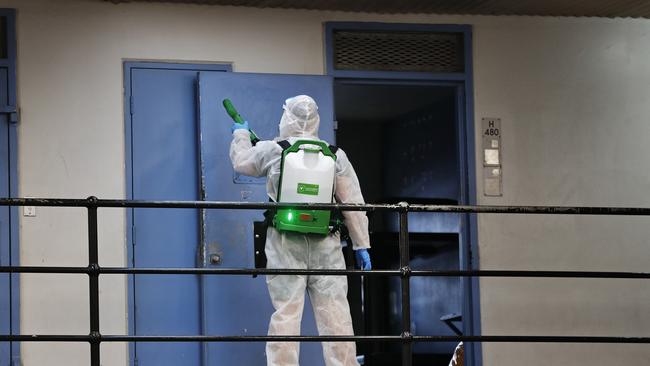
column 398, row 51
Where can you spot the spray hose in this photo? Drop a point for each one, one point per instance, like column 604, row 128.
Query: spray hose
column 232, row 112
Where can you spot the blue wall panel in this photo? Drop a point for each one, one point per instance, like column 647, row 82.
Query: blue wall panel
column 426, row 169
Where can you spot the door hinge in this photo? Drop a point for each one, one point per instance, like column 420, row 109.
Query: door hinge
column 336, row 125
column 14, row 116
column 131, row 105
column 13, row 113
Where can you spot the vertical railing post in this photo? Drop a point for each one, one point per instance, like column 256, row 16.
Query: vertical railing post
column 405, row 269
column 93, row 276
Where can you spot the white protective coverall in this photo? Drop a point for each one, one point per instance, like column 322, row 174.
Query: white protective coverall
column 328, row 294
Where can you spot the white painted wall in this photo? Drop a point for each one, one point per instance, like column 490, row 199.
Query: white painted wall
column 574, row 98
column 573, row 95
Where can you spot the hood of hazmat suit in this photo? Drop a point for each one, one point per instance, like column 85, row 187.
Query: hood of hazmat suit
column 300, row 118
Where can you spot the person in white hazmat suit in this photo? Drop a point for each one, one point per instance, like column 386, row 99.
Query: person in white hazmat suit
column 292, row 250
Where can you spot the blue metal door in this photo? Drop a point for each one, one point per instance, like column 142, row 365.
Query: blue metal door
column 163, row 165
column 240, row 305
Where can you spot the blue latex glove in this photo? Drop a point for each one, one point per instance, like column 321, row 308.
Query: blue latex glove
column 363, row 259
column 237, row 126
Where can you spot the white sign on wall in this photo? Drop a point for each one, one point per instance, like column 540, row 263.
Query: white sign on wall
column 492, row 170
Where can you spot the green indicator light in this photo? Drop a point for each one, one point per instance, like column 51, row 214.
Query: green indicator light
column 290, row 216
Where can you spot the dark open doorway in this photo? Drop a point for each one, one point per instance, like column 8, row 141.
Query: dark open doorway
column 403, row 142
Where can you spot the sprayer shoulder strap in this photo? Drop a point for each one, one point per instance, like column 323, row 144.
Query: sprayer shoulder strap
column 284, row 144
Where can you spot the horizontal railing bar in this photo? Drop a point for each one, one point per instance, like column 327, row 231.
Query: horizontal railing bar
column 118, row 338
column 330, row 272
column 536, row 274
column 44, row 338
column 44, row 269
column 114, row 203
column 533, row 339
column 424, row 338
column 125, row 338
column 236, row 271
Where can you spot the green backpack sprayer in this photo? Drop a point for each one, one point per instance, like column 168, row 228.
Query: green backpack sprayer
column 307, row 174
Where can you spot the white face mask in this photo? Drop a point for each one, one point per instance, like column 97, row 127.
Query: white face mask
column 300, row 118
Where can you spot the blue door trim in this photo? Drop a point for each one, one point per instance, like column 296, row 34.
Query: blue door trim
column 12, row 111
column 474, row 304
column 129, row 66
column 465, row 92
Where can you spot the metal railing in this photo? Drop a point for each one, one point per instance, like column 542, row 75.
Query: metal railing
column 93, row 270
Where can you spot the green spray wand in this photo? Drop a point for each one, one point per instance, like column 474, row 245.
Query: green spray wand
column 232, row 112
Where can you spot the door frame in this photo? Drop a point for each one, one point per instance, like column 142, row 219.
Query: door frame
column 11, row 110
column 128, row 67
column 463, row 82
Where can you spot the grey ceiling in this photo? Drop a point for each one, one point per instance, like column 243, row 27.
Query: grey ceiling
column 589, row 8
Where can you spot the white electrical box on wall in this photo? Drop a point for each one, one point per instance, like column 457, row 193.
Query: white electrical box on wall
column 29, row 211
column 492, row 169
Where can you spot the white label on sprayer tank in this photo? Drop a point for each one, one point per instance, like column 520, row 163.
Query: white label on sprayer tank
column 308, row 176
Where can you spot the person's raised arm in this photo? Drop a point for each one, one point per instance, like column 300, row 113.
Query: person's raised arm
column 248, row 159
